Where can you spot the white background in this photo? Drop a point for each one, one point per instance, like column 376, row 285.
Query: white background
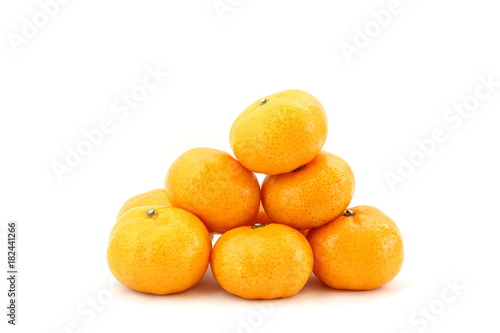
column 395, row 90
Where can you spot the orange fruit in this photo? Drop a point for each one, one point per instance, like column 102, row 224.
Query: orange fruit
column 310, row 196
column 280, row 132
column 263, row 218
column 215, row 187
column 158, row 250
column 262, row 261
column 151, row 198
column 360, row 250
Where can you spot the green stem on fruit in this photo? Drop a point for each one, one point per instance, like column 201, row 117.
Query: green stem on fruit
column 151, row 212
column 263, row 101
column 255, row 226
column 349, row 212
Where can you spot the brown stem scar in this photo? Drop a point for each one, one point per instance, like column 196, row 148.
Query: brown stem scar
column 151, row 212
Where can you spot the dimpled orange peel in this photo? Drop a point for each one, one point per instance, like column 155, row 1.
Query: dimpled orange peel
column 262, row 261
column 360, row 250
column 263, row 218
column 158, row 250
column 215, row 187
column 311, row 195
column 280, row 132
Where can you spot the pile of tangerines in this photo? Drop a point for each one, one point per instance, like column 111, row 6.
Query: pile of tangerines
column 272, row 236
